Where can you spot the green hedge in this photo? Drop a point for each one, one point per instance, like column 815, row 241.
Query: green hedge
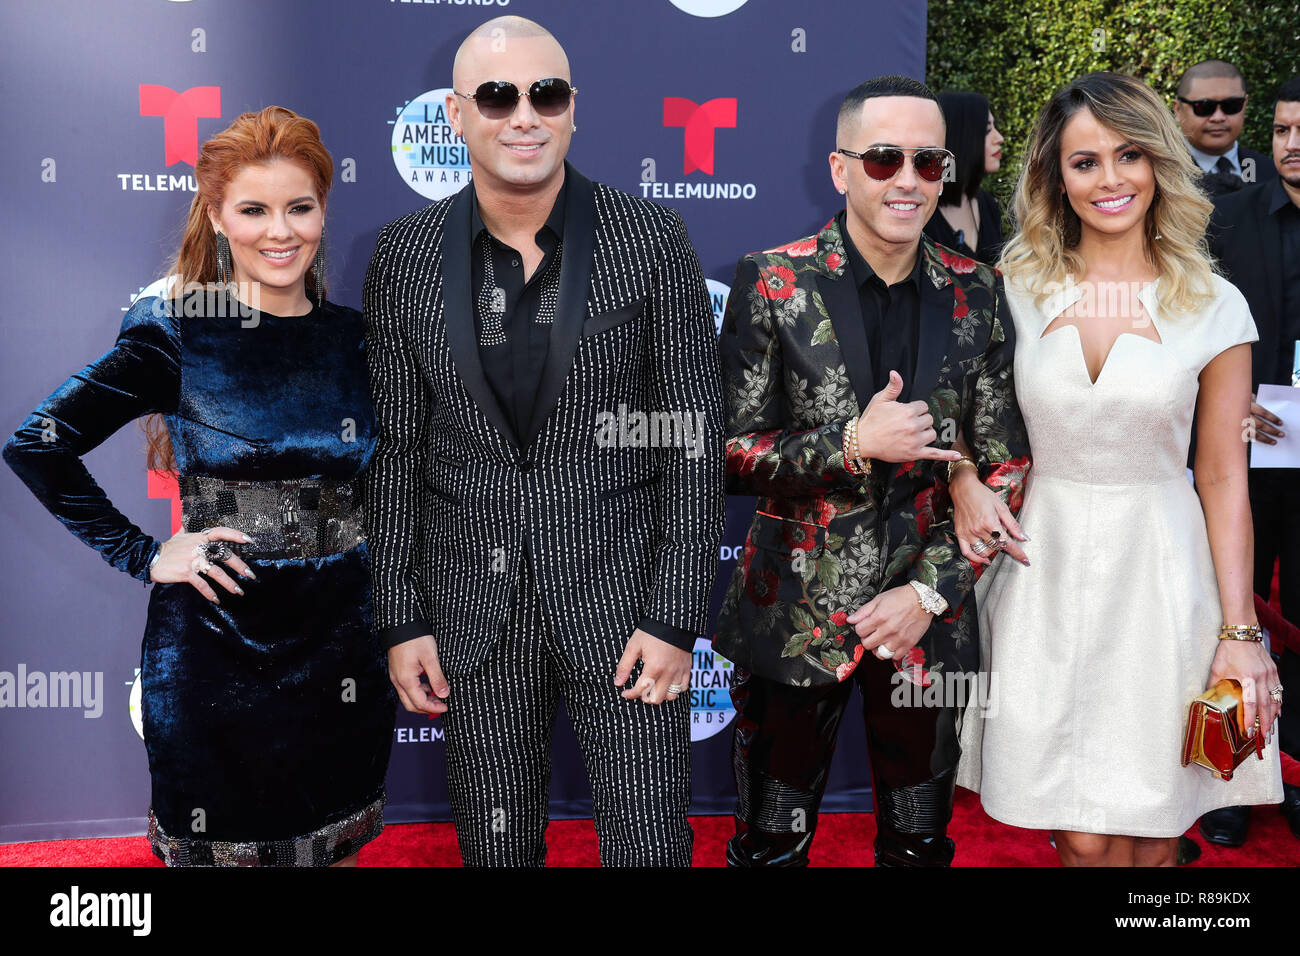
column 1019, row 52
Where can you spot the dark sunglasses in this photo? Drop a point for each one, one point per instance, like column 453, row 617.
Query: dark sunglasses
column 1231, row 106
column 884, row 162
column 497, row 99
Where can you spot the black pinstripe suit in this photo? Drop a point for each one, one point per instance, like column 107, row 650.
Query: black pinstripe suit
column 531, row 558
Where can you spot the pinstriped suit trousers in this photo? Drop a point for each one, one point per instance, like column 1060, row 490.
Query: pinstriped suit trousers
column 498, row 728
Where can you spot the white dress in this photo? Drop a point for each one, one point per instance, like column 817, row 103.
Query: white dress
column 1095, row 651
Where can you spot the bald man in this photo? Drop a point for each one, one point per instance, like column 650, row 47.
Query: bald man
column 546, row 496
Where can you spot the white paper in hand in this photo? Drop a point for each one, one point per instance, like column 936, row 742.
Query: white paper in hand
column 1284, row 402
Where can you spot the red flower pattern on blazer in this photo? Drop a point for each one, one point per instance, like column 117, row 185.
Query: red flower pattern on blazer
column 825, row 541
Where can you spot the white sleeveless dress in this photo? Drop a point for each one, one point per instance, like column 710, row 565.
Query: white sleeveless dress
column 1095, row 651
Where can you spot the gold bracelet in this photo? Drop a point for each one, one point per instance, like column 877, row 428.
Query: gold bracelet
column 952, row 465
column 1241, row 632
column 852, row 453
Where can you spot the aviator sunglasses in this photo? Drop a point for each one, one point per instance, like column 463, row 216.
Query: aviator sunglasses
column 1231, row 106
column 497, row 99
column 884, row 162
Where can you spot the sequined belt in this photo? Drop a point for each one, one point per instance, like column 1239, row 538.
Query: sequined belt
column 304, row 518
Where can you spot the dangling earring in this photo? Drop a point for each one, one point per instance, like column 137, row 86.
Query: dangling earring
column 318, row 269
column 574, row 129
column 223, row 259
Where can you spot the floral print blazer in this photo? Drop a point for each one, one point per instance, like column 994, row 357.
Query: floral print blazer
column 824, row 541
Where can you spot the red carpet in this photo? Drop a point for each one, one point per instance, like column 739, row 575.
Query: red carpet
column 843, row 839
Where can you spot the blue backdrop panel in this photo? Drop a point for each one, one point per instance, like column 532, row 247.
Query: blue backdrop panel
column 723, row 109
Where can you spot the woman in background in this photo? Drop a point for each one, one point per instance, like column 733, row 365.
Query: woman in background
column 968, row 219
column 268, row 712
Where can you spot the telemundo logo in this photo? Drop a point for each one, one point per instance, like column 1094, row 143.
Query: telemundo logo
column 428, row 154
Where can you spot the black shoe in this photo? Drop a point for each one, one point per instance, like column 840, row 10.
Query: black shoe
column 1226, row 826
column 1189, row 851
column 1290, row 806
column 914, row 850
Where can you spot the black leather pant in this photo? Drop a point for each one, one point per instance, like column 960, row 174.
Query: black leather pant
column 781, row 754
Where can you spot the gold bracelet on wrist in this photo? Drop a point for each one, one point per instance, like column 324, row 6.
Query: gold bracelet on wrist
column 1241, row 632
column 854, row 463
column 952, row 465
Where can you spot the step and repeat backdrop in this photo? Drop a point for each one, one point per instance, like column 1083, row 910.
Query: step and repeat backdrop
column 722, row 109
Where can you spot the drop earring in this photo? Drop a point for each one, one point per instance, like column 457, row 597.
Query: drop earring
column 318, row 269
column 223, row 259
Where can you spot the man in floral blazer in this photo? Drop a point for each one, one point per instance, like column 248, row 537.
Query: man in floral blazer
column 851, row 361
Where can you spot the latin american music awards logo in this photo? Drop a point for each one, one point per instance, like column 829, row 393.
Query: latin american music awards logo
column 711, row 677
column 428, row 154
column 135, row 703
column 718, row 292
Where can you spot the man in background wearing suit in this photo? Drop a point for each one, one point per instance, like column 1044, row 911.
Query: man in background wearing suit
column 1255, row 235
column 1211, row 109
column 546, row 495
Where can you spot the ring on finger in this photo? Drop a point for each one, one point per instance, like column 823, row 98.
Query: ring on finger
column 978, row 547
column 674, row 688
column 216, row 551
column 884, row 653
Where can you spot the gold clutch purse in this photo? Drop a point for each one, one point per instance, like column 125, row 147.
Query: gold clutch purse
column 1216, row 731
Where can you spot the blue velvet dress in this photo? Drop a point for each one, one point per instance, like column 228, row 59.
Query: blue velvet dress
column 268, row 718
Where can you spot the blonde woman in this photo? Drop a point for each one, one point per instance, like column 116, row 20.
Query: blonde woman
column 1095, row 651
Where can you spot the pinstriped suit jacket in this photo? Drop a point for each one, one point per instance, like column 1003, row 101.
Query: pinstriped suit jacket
column 618, row 524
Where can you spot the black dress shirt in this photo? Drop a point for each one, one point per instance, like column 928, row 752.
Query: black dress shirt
column 513, row 367
column 1287, row 215
column 891, row 315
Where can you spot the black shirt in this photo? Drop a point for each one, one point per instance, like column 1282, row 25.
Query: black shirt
column 1287, row 215
column 514, row 331
column 891, row 315
column 513, row 353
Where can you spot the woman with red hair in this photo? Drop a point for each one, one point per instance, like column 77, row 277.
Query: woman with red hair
column 268, row 713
